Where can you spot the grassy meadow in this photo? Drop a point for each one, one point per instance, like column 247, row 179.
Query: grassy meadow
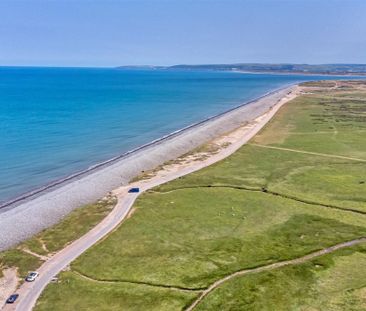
column 298, row 187
column 334, row 282
column 72, row 289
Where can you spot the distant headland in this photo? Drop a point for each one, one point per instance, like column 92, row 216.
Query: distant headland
column 328, row 69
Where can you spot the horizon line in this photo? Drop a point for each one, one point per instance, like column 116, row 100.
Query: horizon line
column 181, row 64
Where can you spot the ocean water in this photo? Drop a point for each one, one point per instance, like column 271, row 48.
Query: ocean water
column 56, row 121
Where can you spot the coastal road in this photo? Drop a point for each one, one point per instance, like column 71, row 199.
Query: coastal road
column 29, row 292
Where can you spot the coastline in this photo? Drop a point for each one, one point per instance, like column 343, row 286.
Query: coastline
column 229, row 142
column 296, row 73
column 40, row 210
column 32, row 194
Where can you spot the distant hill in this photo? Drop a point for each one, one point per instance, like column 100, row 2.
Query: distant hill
column 337, row 69
column 284, row 68
column 141, row 67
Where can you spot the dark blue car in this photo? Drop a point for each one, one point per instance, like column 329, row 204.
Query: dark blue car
column 12, row 298
column 134, row 190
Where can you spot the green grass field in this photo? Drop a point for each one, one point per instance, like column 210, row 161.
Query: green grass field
column 77, row 293
column 259, row 206
column 207, row 233
column 334, row 282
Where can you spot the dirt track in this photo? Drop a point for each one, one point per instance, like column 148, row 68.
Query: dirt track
column 311, row 153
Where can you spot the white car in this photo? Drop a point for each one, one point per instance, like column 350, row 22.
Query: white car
column 31, row 276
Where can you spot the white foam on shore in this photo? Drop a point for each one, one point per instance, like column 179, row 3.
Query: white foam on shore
column 33, row 213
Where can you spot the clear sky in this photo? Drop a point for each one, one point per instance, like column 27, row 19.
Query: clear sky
column 165, row 32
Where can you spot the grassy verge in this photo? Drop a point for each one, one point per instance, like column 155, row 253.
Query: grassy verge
column 197, row 154
column 73, row 226
column 19, row 259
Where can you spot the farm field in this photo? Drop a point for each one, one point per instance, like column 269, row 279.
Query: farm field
column 298, row 187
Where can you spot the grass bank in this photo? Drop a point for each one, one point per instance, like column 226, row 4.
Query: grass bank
column 29, row 255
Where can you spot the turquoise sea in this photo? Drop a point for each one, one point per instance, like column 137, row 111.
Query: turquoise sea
column 55, row 121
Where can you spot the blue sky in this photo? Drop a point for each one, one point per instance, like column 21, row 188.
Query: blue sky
column 165, row 32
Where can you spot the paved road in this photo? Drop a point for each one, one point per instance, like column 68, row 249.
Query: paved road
column 29, row 292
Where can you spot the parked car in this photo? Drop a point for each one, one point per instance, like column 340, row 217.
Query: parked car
column 12, row 298
column 31, row 276
column 134, row 190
